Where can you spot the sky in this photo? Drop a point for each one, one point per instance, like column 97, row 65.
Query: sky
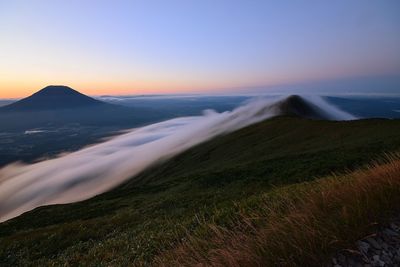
column 139, row 47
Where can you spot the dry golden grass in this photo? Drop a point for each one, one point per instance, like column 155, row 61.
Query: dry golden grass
column 302, row 225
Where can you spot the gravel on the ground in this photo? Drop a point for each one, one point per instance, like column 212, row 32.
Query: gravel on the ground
column 379, row 249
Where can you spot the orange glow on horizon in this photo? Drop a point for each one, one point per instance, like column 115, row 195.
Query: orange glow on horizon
column 14, row 89
column 20, row 88
column 21, row 91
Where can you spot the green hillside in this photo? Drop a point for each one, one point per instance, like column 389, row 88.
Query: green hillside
column 210, row 183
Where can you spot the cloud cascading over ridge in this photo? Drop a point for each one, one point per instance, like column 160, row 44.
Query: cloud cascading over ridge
column 96, row 169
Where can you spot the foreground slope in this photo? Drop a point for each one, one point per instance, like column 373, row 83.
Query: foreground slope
column 349, row 218
column 208, row 183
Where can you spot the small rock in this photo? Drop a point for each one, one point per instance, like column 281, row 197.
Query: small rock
column 363, row 246
column 394, row 227
column 391, row 232
column 374, row 243
column 377, row 261
column 386, row 259
column 390, row 254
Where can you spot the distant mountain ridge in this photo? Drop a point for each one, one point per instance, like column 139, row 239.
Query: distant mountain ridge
column 58, row 106
column 60, row 97
column 53, row 97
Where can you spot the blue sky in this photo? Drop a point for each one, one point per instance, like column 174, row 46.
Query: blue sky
column 150, row 46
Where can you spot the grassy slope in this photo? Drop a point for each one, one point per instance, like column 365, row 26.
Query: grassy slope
column 151, row 212
column 298, row 225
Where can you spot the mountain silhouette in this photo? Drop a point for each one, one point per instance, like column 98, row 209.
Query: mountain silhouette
column 314, row 108
column 58, row 106
column 53, row 97
column 295, row 105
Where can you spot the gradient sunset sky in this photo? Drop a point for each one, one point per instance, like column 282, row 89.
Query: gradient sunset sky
column 167, row 46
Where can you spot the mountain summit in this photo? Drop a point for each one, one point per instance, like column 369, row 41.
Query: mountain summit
column 58, row 106
column 53, row 97
column 313, row 108
column 298, row 106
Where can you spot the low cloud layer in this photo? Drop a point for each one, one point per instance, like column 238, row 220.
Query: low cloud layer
column 96, row 169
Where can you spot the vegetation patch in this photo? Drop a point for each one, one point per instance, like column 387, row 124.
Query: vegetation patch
column 299, row 225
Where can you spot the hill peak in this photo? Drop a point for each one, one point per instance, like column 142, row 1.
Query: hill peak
column 53, row 97
column 57, row 90
column 296, row 105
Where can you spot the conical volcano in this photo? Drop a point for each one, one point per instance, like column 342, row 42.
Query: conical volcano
column 53, row 97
